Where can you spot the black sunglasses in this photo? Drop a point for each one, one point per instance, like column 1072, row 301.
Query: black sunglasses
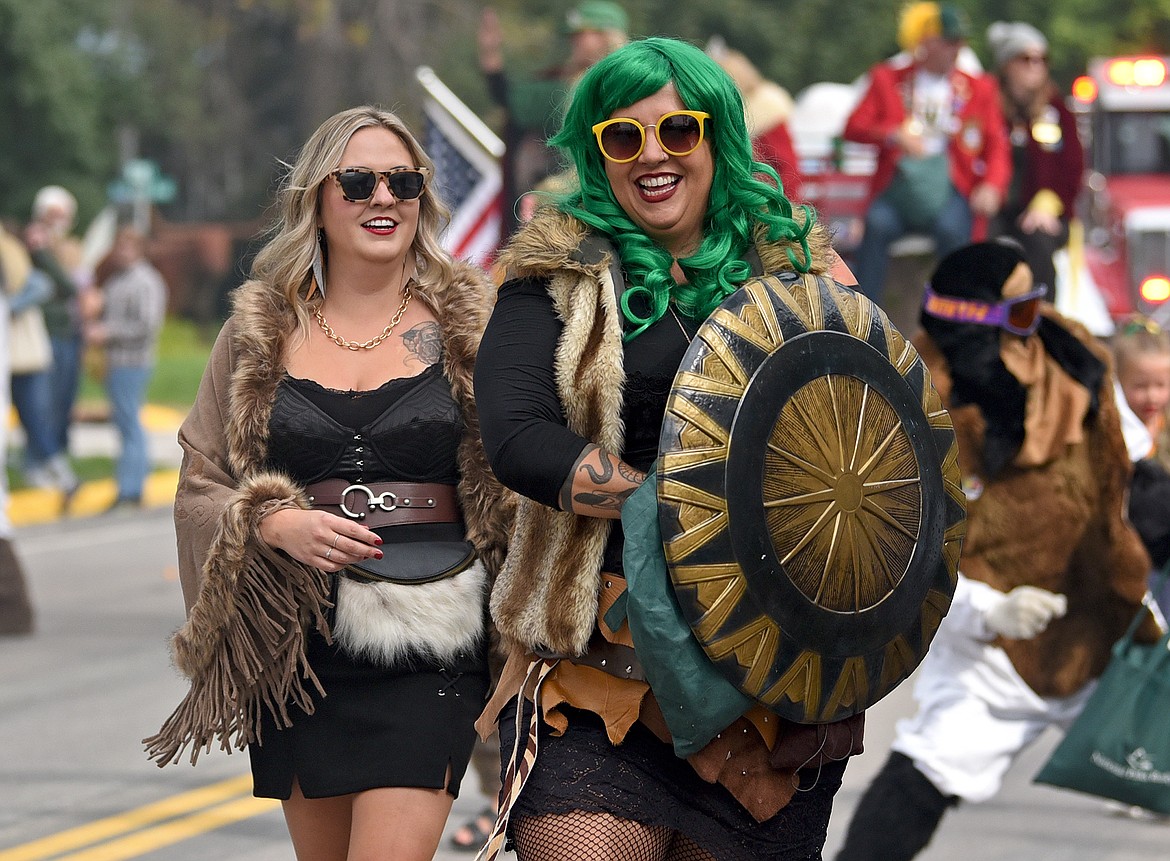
column 358, row 184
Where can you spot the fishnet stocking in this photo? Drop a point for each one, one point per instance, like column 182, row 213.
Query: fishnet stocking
column 582, row 836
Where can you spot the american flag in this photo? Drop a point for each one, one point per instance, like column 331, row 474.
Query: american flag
column 467, row 171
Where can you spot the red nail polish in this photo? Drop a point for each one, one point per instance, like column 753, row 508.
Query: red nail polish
column 377, row 540
column 378, row 554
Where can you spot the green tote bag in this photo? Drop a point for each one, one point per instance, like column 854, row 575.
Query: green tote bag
column 920, row 189
column 1119, row 746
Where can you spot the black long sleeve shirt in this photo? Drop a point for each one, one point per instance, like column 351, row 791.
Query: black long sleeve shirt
column 521, row 419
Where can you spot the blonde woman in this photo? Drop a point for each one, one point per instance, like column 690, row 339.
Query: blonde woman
column 336, row 518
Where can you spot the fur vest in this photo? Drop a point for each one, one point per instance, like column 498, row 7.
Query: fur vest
column 1060, row 526
column 250, row 606
column 547, row 592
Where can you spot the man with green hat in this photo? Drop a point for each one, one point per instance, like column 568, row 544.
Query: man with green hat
column 597, row 16
column 594, row 29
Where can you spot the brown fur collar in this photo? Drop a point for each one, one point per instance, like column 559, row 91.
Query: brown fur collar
column 1076, row 541
column 551, row 242
column 546, row 594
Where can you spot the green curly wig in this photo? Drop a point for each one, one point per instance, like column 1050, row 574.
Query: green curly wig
column 739, row 200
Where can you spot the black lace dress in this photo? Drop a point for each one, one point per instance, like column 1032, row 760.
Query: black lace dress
column 532, row 451
column 376, row 726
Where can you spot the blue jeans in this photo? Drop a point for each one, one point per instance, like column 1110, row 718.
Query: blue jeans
column 31, row 395
column 65, row 379
column 883, row 227
column 126, row 388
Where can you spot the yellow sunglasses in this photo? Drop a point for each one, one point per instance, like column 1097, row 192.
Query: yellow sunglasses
column 622, row 139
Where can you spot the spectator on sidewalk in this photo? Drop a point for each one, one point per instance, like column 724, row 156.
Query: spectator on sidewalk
column 1048, row 161
column 1141, row 354
column 767, row 106
column 16, row 615
column 594, row 29
column 29, row 357
column 134, row 300
column 943, row 159
column 57, row 253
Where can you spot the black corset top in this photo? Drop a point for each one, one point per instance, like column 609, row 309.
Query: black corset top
column 408, row 429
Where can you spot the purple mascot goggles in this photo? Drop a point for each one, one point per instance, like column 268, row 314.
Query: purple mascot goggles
column 1019, row 315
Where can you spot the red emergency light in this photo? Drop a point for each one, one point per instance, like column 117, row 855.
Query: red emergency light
column 1155, row 289
column 1136, row 72
column 1084, row 90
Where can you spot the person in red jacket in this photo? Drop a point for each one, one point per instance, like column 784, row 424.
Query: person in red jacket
column 1047, row 157
column 943, row 161
column 767, row 106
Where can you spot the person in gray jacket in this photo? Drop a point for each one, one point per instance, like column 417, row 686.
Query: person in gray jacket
column 133, row 308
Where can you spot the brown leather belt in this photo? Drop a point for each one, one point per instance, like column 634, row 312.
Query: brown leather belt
column 612, row 658
column 617, row 659
column 386, row 503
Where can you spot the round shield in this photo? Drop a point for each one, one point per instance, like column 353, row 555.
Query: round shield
column 809, row 497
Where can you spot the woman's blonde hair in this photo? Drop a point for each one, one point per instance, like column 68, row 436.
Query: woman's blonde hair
column 285, row 263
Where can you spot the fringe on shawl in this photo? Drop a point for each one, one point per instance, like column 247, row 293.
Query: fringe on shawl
column 259, row 664
column 254, row 657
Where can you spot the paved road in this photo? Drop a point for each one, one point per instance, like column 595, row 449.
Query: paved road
column 76, row 698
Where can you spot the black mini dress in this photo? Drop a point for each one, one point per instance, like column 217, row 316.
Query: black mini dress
column 376, row 726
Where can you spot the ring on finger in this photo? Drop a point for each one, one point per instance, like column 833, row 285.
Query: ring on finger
column 336, row 538
column 328, row 552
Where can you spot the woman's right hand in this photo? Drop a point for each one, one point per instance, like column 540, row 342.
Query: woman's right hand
column 319, row 538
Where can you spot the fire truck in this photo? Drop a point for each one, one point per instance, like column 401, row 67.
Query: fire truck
column 1123, row 108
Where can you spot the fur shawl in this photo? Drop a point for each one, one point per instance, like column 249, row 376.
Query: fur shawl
column 547, row 591
column 1061, row 527
column 249, row 606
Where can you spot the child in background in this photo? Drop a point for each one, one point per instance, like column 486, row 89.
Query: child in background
column 1141, row 350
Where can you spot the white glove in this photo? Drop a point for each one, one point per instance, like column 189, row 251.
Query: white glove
column 1024, row 612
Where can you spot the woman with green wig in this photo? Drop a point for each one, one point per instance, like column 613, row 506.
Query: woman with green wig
column 606, row 286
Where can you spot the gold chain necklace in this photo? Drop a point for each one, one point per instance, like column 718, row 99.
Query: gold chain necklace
column 373, row 342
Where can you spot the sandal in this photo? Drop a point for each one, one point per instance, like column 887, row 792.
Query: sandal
column 474, row 833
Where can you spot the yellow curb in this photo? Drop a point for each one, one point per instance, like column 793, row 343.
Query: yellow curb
column 160, row 418
column 36, row 505
column 153, row 417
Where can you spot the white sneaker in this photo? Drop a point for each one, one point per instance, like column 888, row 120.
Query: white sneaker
column 62, row 474
column 39, row 477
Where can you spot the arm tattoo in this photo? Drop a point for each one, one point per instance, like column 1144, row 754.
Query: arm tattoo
column 629, row 473
column 604, row 472
column 423, row 343
column 606, row 501
column 567, row 487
